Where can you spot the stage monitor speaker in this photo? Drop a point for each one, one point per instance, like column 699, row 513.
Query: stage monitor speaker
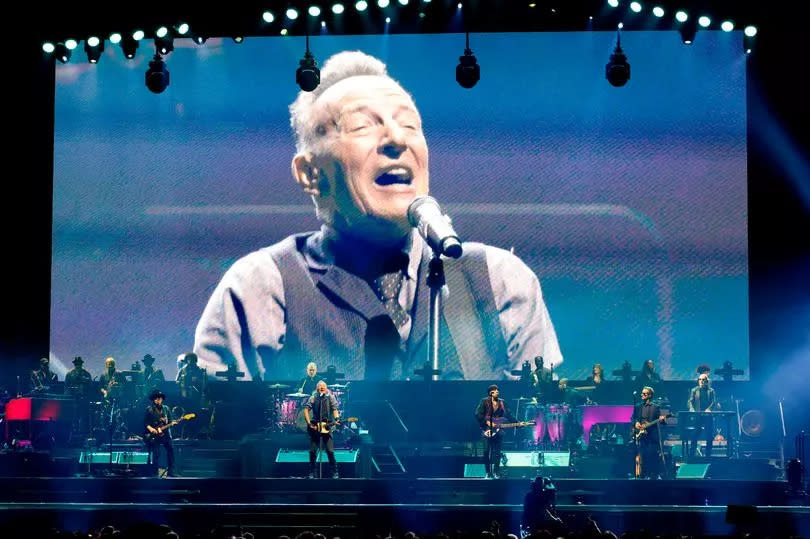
column 537, row 459
column 692, row 471
column 475, row 470
column 302, row 456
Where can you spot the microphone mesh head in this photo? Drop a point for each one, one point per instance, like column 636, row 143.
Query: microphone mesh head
column 416, row 205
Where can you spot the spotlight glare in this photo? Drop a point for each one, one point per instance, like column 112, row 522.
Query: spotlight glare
column 387, row 20
column 138, row 35
column 403, row 2
column 62, row 53
column 129, row 45
column 283, row 32
column 459, row 5
column 635, row 6
column 681, row 16
column 199, row 40
column 238, row 39
column 361, row 5
column 115, row 38
column 704, row 21
column 750, row 31
column 323, row 24
column 292, row 14
column 620, row 25
column 183, row 29
column 613, row 3
column 383, row 3
column 93, row 41
column 658, row 11
column 71, row 44
column 337, row 9
column 688, row 32
column 48, row 47
column 93, row 47
column 162, row 31
column 314, row 11
column 727, row 26
column 268, row 17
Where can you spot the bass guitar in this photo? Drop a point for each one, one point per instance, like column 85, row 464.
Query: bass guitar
column 151, row 436
column 640, row 432
column 326, row 427
column 491, row 428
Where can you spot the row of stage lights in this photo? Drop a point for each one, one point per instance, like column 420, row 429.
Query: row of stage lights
column 617, row 70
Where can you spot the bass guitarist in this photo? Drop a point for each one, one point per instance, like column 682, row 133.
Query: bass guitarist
column 646, row 419
column 491, row 412
column 156, row 420
column 321, row 414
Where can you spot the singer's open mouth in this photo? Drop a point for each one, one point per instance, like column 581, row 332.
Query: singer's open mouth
column 395, row 176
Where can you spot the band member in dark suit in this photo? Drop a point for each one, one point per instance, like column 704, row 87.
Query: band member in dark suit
column 322, row 407
column 155, row 420
column 702, row 399
column 42, row 379
column 646, row 420
column 490, row 412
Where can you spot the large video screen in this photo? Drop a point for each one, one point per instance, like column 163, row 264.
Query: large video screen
column 629, row 204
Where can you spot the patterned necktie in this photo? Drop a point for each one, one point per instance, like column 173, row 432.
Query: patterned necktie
column 387, row 288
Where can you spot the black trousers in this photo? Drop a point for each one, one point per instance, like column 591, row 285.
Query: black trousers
column 492, row 453
column 154, row 448
column 316, row 439
column 650, row 453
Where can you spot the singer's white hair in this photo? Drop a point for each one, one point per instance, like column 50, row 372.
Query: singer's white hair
column 338, row 67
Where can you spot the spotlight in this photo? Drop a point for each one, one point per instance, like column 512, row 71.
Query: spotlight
column 238, row 39
column 157, row 76
column 93, row 51
column 199, row 40
column 314, row 11
column 268, row 17
column 635, row 7
column 403, row 2
column 361, row 5
column 138, row 35
column 62, row 53
column 658, row 11
column 383, row 3
column 162, row 32
column 308, row 76
column 387, row 20
column 704, row 21
column 182, row 29
column 129, row 45
column 681, row 16
column 71, row 44
column 468, row 72
column 292, row 14
column 115, row 38
column 750, row 31
column 48, row 47
column 617, row 70
column 613, row 3
column 337, row 9
column 688, row 31
column 727, row 26
column 164, row 45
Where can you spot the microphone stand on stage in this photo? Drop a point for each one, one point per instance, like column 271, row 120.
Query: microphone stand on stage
column 435, row 280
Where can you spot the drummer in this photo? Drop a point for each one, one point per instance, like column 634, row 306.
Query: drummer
column 310, row 381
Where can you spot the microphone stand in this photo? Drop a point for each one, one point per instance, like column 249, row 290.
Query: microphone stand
column 435, row 280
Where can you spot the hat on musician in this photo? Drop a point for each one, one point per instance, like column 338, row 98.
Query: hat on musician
column 492, row 388
column 148, row 359
column 78, row 360
column 155, row 394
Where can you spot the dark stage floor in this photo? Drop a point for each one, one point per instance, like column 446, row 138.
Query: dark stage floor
column 349, row 506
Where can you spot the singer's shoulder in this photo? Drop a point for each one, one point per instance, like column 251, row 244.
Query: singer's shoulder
column 499, row 261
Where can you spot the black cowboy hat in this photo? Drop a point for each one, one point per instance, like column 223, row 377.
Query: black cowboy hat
column 148, row 359
column 78, row 360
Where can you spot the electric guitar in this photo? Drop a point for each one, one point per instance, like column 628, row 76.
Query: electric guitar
column 326, row 427
column 151, row 436
column 639, row 433
column 491, row 428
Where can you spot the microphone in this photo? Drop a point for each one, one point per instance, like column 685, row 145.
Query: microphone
column 635, row 393
column 426, row 216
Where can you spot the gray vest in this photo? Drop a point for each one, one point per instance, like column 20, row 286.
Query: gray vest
column 329, row 323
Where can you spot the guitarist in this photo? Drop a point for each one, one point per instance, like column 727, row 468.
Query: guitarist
column 157, row 415
column 320, row 411
column 490, row 411
column 646, row 419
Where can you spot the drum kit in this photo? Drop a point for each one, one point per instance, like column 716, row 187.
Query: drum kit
column 286, row 410
column 555, row 425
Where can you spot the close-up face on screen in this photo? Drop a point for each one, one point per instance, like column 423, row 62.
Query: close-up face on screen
column 600, row 224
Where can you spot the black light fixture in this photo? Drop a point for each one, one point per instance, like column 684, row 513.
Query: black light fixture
column 308, row 76
column 93, row 46
column 688, row 31
column 157, row 76
column 468, row 72
column 62, row 53
column 164, row 45
column 128, row 46
column 617, row 70
column 199, row 39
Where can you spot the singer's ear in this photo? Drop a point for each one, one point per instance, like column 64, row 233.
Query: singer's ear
column 306, row 174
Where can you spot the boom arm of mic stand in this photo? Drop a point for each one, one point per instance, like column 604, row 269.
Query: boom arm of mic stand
column 435, row 280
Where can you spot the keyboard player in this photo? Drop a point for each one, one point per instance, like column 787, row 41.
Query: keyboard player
column 702, row 399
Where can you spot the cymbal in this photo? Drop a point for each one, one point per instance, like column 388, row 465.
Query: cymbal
column 525, row 398
column 338, row 386
column 278, row 386
column 583, row 388
column 297, row 395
